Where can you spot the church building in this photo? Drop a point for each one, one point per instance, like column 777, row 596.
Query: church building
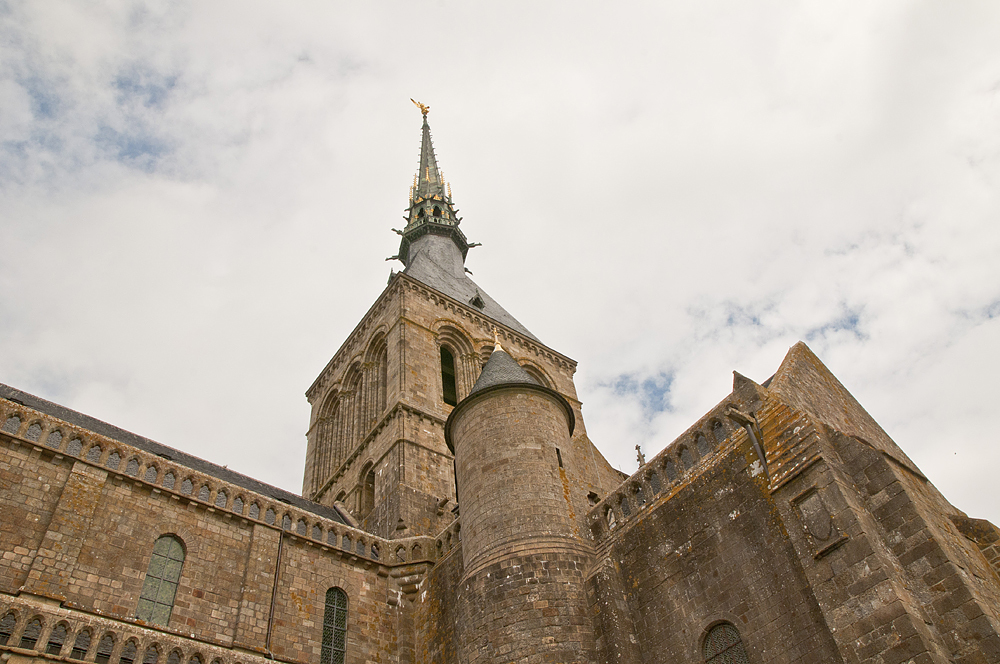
column 454, row 510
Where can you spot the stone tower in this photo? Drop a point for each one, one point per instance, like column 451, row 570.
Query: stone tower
column 522, row 592
column 376, row 440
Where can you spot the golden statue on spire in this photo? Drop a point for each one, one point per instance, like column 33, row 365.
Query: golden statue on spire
column 496, row 340
column 424, row 108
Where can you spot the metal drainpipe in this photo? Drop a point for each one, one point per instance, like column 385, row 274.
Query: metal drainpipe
column 274, row 595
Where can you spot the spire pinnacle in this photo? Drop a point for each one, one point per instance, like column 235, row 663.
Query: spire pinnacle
column 431, row 210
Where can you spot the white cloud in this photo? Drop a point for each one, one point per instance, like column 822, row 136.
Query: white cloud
column 197, row 197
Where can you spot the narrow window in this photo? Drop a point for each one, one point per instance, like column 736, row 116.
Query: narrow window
column 625, row 507
column 724, row 646
column 162, row 577
column 687, row 458
column 220, row 499
column 150, row 476
column 238, row 505
column 34, row 432
column 368, row 492
column 174, row 657
column 132, row 468
column 559, row 457
column 334, row 627
column 448, row 377
column 56, row 639
column 94, row 453
column 30, row 636
column 286, row 522
column 437, row 211
column 81, row 645
column 74, row 447
column 114, row 459
column 702, row 444
column 317, row 533
column 104, row 648
column 168, row 481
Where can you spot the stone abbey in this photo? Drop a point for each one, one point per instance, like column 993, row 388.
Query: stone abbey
column 454, row 510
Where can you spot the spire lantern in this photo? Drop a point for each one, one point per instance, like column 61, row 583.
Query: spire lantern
column 431, row 210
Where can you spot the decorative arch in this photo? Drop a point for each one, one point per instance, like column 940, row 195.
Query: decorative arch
column 377, row 377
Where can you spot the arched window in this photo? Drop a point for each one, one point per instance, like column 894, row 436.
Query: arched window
column 367, row 491
column 702, row 444
column 724, row 646
column 686, row 458
column 437, row 211
column 162, row 577
column 334, row 627
column 448, row 377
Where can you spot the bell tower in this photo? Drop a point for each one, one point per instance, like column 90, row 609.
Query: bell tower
column 375, row 441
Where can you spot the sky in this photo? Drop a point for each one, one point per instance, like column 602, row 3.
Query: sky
column 196, row 202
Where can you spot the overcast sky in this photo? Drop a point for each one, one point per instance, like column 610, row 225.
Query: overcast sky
column 196, row 202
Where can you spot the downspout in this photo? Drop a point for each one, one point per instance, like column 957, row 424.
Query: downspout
column 274, row 595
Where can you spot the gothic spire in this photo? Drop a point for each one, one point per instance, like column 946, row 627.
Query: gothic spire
column 431, row 210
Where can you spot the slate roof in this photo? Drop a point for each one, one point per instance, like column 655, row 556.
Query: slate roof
column 424, row 269
column 501, row 369
column 194, row 463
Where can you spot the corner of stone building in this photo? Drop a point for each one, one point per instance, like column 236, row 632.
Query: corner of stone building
column 939, row 573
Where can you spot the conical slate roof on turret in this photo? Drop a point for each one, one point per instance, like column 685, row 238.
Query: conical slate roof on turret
column 501, row 369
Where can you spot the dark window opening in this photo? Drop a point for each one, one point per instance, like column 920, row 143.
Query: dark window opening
column 437, row 211
column 448, row 377
column 104, row 649
column 559, row 457
column 420, row 213
column 368, row 492
column 593, row 498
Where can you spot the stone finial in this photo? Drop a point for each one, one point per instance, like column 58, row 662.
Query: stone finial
column 640, row 456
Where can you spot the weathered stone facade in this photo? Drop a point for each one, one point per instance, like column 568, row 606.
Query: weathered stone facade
column 454, row 503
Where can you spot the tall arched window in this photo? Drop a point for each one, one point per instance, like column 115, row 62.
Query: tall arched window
column 724, row 646
column 448, row 377
column 334, row 627
column 162, row 577
column 367, row 491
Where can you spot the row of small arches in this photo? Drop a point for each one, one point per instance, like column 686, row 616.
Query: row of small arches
column 671, row 464
column 82, row 646
column 111, row 458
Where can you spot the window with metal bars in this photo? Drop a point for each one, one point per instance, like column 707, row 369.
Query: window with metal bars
column 162, row 577
column 334, row 627
column 723, row 645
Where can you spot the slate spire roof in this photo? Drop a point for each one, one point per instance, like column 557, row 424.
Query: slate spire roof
column 433, row 248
